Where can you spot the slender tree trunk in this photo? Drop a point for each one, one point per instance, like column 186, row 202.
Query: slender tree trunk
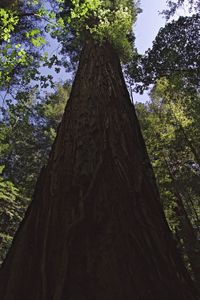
column 193, row 209
column 189, row 141
column 95, row 229
column 188, row 233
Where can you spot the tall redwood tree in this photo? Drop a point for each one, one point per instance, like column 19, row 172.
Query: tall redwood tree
column 95, row 228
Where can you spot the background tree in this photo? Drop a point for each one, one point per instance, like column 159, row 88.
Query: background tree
column 169, row 129
column 173, row 6
column 170, row 123
column 174, row 55
column 28, row 129
column 10, row 212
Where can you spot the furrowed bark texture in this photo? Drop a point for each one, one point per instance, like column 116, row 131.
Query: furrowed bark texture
column 95, row 229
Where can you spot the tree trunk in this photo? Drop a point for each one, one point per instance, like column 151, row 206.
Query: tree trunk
column 95, row 229
column 188, row 234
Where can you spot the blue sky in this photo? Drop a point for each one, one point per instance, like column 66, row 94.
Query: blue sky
column 146, row 28
column 149, row 23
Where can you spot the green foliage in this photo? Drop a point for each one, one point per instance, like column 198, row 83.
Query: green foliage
column 27, row 131
column 20, row 41
column 36, row 39
column 22, row 27
column 105, row 22
column 8, row 21
column 23, row 23
column 5, row 243
column 175, row 55
column 11, row 213
column 173, row 6
column 170, row 126
column 171, row 131
column 116, row 29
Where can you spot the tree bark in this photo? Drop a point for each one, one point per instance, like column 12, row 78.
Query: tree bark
column 95, row 229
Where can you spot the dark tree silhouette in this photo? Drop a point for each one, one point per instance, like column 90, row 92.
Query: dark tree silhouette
column 95, row 229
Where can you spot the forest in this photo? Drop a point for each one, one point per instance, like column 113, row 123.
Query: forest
column 99, row 194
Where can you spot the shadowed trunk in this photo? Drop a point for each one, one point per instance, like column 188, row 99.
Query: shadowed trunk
column 95, row 229
column 186, row 230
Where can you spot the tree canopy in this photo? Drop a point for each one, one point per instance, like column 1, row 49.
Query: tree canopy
column 174, row 55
